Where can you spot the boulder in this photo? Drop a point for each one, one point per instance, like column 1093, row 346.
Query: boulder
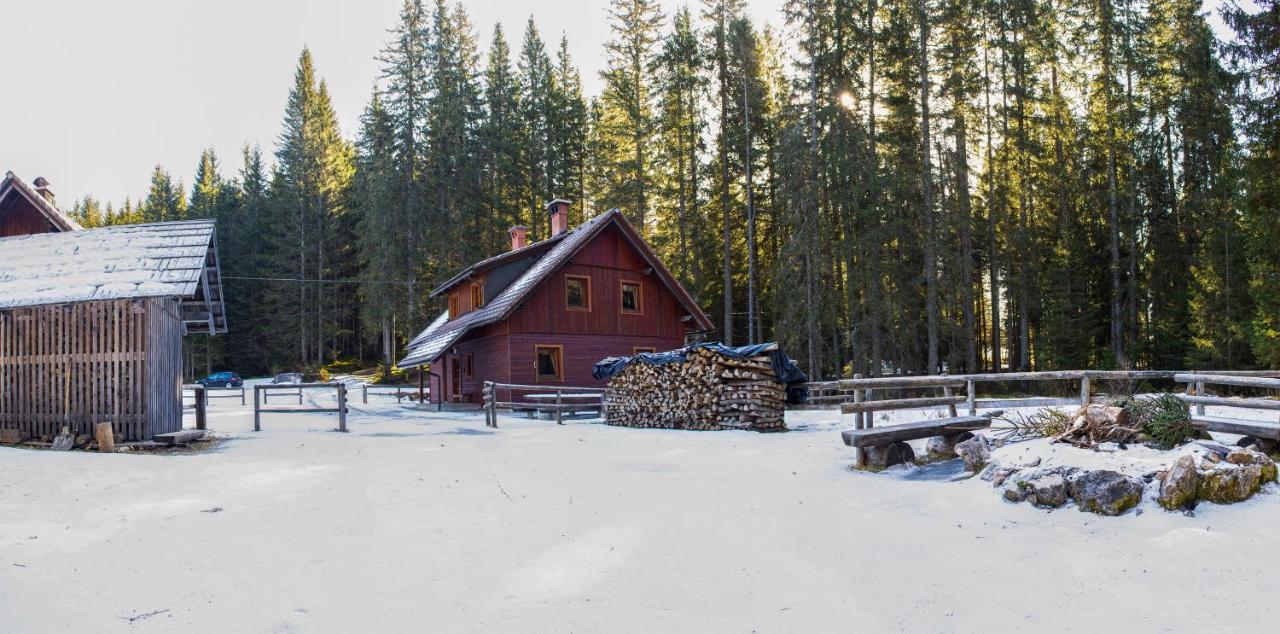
column 1230, row 484
column 975, row 452
column 1049, row 490
column 1106, row 492
column 885, row 456
column 944, row 447
column 1179, row 486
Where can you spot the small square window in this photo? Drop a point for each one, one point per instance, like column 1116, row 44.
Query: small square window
column 547, row 363
column 577, row 293
column 631, row 302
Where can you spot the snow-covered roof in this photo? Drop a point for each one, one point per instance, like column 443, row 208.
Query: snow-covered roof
column 442, row 333
column 165, row 259
column 12, row 185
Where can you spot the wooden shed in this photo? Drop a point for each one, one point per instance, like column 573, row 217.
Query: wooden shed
column 91, row 325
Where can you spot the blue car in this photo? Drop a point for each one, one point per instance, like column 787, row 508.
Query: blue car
column 222, row 379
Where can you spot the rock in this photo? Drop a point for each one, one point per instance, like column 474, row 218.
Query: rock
column 1179, row 485
column 1106, row 492
column 1015, row 494
column 12, row 436
column 1143, row 438
column 1049, row 490
column 996, row 474
column 1240, row 456
column 944, row 447
column 884, row 456
column 975, row 453
column 82, row 441
column 1228, row 485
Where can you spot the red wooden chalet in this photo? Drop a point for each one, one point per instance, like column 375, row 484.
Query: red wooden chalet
column 25, row 210
column 545, row 313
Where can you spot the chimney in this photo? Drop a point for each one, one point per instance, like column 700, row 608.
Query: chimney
column 519, row 237
column 42, row 188
column 559, row 209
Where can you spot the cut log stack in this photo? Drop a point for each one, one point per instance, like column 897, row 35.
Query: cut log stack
column 708, row 391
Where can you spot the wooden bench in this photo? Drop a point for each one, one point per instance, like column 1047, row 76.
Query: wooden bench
column 1255, row 428
column 878, row 436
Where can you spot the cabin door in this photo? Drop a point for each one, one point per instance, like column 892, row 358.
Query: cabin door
column 455, row 372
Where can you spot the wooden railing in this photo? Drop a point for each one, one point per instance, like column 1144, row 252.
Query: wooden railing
column 260, row 392
column 557, row 406
column 216, row 392
column 857, row 395
column 398, row 391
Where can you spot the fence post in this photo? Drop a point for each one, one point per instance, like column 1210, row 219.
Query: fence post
column 364, row 393
column 971, row 387
column 242, row 395
column 1084, row 390
column 1199, row 392
column 951, row 407
column 202, row 401
column 559, row 411
column 299, row 396
column 342, row 406
column 859, row 422
column 257, row 409
column 870, row 414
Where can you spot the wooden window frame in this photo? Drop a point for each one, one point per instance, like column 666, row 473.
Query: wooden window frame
column 469, row 368
column 622, row 289
column 638, row 349
column 454, row 313
column 537, row 377
column 586, row 294
column 477, row 295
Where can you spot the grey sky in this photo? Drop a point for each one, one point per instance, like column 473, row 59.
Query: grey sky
column 100, row 92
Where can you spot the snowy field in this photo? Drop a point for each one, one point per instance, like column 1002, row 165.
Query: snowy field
column 424, row 522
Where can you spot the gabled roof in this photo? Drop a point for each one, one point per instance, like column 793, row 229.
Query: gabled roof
column 12, row 185
column 554, row 253
column 163, row 259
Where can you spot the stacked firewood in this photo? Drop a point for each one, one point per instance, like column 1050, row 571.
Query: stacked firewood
column 708, row 391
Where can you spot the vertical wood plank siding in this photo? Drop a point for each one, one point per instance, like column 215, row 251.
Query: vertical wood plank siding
column 75, row 365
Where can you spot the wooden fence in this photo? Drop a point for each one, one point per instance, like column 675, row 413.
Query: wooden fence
column 566, row 399
column 398, row 391
column 260, row 391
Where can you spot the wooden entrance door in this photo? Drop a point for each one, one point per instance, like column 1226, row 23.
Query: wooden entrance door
column 455, row 373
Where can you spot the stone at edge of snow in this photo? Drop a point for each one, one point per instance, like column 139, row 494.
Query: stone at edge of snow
column 1106, row 492
column 976, row 452
column 1179, row 486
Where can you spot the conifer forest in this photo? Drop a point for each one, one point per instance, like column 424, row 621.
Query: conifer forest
column 883, row 186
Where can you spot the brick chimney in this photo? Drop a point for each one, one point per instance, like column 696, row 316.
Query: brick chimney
column 559, row 209
column 519, row 237
column 43, row 188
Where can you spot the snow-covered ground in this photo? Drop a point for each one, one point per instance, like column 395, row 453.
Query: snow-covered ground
column 424, row 522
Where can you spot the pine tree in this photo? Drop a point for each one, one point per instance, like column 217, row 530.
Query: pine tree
column 627, row 105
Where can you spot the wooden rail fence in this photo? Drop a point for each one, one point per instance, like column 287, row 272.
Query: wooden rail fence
column 260, row 392
column 566, row 399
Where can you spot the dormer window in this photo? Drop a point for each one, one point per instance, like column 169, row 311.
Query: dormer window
column 477, row 296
